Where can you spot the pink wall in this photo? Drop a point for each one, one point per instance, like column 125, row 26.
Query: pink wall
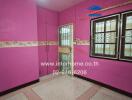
column 47, row 31
column 115, row 73
column 18, row 21
column 20, row 65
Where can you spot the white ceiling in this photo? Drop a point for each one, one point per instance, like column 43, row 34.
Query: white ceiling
column 58, row 5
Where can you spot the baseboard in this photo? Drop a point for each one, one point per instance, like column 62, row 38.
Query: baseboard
column 18, row 87
column 105, row 85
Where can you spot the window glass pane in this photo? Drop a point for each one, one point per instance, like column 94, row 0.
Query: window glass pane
column 64, row 57
column 63, row 42
column 128, row 36
column 110, row 37
column 107, row 47
column 63, row 30
column 127, row 50
column 99, row 48
column 128, row 33
column 100, row 27
column 108, row 26
column 99, row 38
column 65, row 36
column 128, row 40
column 96, row 48
column 68, row 42
column 129, row 22
column 110, row 49
column 96, row 38
column 111, row 25
column 97, row 27
column 68, row 30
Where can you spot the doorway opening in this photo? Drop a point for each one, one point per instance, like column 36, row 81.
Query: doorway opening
column 66, row 48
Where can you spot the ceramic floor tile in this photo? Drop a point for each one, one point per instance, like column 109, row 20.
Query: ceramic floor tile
column 62, row 88
column 31, row 95
column 19, row 96
column 106, row 94
column 89, row 93
column 100, row 96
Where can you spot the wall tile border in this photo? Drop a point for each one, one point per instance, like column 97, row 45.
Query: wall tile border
column 11, row 44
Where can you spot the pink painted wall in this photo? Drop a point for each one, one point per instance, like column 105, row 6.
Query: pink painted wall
column 18, row 21
column 47, row 31
column 115, row 73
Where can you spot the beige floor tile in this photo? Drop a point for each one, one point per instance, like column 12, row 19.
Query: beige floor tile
column 19, row 96
column 89, row 93
column 31, row 95
column 106, row 94
column 62, row 88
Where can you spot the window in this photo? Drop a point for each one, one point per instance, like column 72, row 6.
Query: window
column 104, row 41
column 126, row 36
column 111, row 37
column 65, row 35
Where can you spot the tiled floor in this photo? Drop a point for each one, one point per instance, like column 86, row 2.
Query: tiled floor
column 62, row 87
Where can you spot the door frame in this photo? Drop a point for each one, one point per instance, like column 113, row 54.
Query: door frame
column 72, row 46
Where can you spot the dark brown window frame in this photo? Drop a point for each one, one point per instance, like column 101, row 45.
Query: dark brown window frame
column 93, row 22
column 123, row 33
column 120, row 51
